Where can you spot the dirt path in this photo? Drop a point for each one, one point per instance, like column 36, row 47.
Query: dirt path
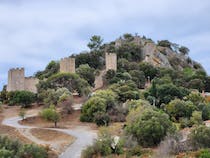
column 84, row 136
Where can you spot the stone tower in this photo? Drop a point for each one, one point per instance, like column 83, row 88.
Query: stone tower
column 111, row 61
column 67, row 65
column 16, row 79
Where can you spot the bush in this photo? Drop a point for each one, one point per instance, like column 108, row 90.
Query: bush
column 50, row 114
column 205, row 153
column 13, row 148
column 23, row 98
column 32, row 151
column 149, row 126
column 101, row 119
column 104, row 145
column 200, row 137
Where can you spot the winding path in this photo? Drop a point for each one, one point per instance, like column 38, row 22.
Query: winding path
column 83, row 135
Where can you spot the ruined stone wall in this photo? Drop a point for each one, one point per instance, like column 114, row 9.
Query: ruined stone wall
column 16, row 79
column 30, row 84
column 18, row 82
column 111, row 61
column 67, row 65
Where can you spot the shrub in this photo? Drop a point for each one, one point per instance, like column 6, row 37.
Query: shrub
column 205, row 153
column 32, row 151
column 23, row 98
column 50, row 114
column 101, row 119
column 200, row 137
column 149, row 126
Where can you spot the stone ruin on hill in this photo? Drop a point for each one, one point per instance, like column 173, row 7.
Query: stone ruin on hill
column 18, row 81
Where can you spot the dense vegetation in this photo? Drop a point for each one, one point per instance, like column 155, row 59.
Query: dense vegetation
column 14, row 149
column 153, row 102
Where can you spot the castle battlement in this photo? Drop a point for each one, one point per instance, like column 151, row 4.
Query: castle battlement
column 111, row 61
column 18, row 81
column 67, row 64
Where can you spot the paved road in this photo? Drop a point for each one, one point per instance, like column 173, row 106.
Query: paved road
column 83, row 135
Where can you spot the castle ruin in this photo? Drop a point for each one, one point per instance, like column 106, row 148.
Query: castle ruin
column 111, row 61
column 67, row 65
column 18, row 81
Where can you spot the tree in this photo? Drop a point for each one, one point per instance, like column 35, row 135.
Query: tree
column 95, row 42
column 87, row 73
column 180, row 109
column 149, row 127
column 66, row 80
column 200, row 137
column 51, row 69
column 164, row 43
column 196, row 118
column 184, row 50
column 50, row 114
column 22, row 113
column 206, row 112
column 23, row 98
column 138, row 77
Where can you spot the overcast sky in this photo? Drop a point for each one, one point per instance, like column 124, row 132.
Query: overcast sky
column 33, row 32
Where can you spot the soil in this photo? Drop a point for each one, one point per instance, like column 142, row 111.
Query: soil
column 67, row 121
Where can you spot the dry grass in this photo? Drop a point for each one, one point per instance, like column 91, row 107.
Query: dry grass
column 51, row 135
column 67, row 121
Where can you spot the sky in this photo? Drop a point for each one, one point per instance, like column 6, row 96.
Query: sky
column 34, row 32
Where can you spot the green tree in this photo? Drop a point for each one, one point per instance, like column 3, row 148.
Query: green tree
column 50, row 114
column 206, row 112
column 23, row 98
column 149, row 127
column 180, row 109
column 87, row 73
column 138, row 77
column 22, row 113
column 51, row 69
column 184, row 50
column 196, row 118
column 66, row 80
column 95, row 42
column 200, row 137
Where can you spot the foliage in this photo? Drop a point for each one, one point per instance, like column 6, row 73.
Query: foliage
column 149, row 70
column 32, row 151
column 101, row 119
column 95, row 42
column 196, row 118
column 87, row 73
column 3, row 94
column 204, row 153
column 125, row 90
column 14, row 149
column 180, row 109
column 184, row 50
column 148, row 126
column 50, row 114
column 138, row 77
column 23, row 98
column 52, row 96
column 87, row 58
column 22, row 113
column 200, row 137
column 206, row 112
column 91, row 107
column 195, row 98
column 51, row 69
column 104, row 145
column 65, row 80
column 164, row 43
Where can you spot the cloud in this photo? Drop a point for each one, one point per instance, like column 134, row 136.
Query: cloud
column 34, row 32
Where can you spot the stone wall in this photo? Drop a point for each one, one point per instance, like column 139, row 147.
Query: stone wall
column 18, row 81
column 30, row 84
column 15, row 79
column 111, row 61
column 67, row 65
